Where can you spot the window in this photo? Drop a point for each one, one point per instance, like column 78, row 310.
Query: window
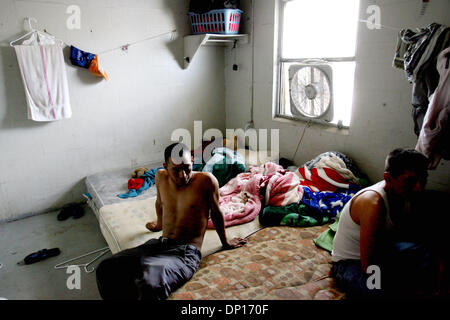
column 317, row 44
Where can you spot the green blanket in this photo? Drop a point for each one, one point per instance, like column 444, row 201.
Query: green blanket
column 225, row 164
column 294, row 215
column 325, row 239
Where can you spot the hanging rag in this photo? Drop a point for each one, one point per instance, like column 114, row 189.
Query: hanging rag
column 419, row 46
column 96, row 69
column 80, row 58
column 88, row 61
column 416, row 53
column 434, row 138
column 45, row 80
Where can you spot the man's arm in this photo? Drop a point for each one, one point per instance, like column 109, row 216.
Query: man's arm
column 370, row 210
column 217, row 218
column 156, row 226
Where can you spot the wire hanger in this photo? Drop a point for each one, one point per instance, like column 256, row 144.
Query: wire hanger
column 64, row 264
column 33, row 32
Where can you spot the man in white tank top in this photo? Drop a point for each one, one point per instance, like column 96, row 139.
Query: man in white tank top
column 367, row 221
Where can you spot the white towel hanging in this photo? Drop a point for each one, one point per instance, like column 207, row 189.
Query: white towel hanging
column 43, row 71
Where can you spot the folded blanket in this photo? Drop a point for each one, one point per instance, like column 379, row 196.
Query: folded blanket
column 293, row 215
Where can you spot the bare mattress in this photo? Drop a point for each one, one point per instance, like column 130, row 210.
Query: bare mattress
column 105, row 186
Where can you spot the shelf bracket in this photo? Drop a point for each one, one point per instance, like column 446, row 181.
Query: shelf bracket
column 193, row 42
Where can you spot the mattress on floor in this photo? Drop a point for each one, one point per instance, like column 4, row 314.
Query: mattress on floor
column 122, row 221
column 277, row 263
column 123, row 226
column 105, row 186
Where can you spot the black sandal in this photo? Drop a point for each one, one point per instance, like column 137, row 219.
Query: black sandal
column 75, row 211
column 40, row 255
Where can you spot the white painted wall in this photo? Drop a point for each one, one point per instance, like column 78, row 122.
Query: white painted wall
column 124, row 122
column 381, row 117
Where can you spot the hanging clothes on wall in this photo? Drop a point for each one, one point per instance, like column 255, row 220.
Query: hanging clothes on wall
column 44, row 77
column 434, row 138
column 416, row 53
column 88, row 61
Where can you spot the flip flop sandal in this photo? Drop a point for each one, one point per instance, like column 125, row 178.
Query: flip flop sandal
column 40, row 255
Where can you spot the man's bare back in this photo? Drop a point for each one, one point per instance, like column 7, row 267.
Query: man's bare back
column 185, row 200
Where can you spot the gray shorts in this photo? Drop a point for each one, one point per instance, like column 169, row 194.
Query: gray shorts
column 151, row 271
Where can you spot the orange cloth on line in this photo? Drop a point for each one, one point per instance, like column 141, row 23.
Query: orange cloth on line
column 96, row 69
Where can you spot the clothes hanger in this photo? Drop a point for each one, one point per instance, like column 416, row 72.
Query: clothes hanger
column 33, row 32
column 102, row 252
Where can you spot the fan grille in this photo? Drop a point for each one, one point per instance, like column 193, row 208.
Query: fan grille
column 310, row 92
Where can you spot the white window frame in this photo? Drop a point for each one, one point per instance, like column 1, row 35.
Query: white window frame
column 279, row 70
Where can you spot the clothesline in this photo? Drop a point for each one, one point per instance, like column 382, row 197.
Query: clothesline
column 126, row 46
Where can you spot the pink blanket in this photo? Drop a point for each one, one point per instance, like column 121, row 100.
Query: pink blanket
column 241, row 200
column 283, row 189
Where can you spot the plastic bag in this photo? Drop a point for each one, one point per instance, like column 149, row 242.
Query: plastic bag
column 96, row 69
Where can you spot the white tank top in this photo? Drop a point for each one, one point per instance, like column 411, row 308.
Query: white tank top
column 346, row 243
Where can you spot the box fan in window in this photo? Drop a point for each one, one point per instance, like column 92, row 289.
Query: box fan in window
column 310, row 90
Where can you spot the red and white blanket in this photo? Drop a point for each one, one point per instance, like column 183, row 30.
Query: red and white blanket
column 328, row 174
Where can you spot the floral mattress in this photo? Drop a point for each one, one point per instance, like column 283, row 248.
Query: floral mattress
column 277, row 263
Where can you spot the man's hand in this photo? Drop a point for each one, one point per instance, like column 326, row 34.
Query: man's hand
column 234, row 243
column 153, row 226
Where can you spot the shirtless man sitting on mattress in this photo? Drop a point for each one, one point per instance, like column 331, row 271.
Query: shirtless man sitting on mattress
column 185, row 200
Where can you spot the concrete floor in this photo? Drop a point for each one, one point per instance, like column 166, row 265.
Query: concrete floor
column 40, row 280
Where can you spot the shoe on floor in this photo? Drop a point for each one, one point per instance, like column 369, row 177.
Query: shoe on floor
column 40, row 255
column 75, row 211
